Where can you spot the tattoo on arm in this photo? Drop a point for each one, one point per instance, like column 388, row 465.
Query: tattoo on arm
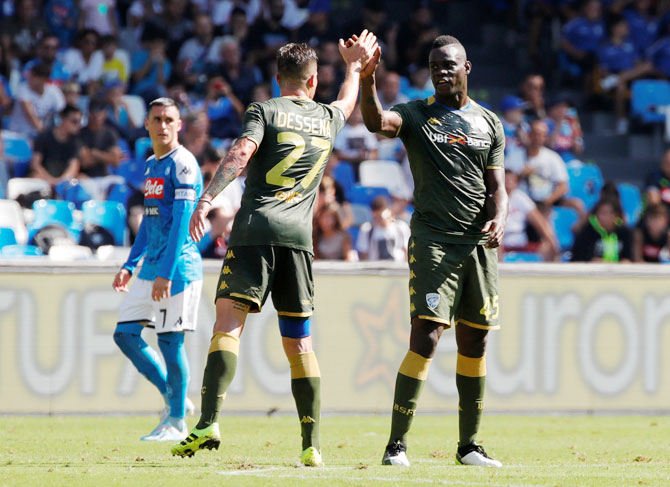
column 227, row 171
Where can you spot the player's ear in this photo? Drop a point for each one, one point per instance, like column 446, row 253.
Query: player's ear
column 468, row 67
column 311, row 81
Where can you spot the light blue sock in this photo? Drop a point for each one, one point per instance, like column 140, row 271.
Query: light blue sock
column 174, row 353
column 128, row 336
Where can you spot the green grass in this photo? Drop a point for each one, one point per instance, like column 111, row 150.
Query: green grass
column 536, row 451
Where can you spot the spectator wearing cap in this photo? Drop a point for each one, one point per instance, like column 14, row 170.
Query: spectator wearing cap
column 512, row 118
column 581, row 37
column 56, row 150
column 47, row 50
column 565, row 131
column 385, row 238
column 37, row 102
column 100, row 145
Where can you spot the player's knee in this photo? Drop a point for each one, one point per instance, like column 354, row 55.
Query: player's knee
column 295, row 327
column 128, row 335
column 170, row 345
column 471, row 342
column 424, row 337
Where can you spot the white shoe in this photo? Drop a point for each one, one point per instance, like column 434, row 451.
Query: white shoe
column 171, row 429
column 395, row 454
column 165, row 412
column 475, row 455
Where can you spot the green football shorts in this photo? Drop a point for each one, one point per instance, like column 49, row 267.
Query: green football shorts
column 453, row 283
column 250, row 273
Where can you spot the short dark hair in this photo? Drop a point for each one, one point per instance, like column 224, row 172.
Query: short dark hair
column 446, row 40
column 379, row 203
column 293, row 60
column 40, row 70
column 163, row 101
column 65, row 112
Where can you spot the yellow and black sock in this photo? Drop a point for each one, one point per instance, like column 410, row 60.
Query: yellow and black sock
column 306, row 388
column 219, row 373
column 409, row 382
column 470, row 380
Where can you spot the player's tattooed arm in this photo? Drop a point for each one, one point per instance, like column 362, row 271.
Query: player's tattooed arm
column 496, row 207
column 237, row 158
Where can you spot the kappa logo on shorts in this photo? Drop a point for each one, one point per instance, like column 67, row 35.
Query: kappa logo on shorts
column 432, row 300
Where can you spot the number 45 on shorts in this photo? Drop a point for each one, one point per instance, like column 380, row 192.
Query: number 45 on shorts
column 490, row 308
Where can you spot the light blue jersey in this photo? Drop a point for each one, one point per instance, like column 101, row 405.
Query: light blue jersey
column 172, row 187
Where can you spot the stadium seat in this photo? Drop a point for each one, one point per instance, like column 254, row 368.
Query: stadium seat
column 69, row 252
column 585, row 182
column 142, row 145
column 20, row 251
column 17, row 151
column 137, row 110
column 7, row 236
column 363, row 195
column 631, row 201
column 362, row 214
column 133, row 172
column 120, row 193
column 353, row 233
column 18, row 186
column 11, row 216
column 383, row 174
column 74, row 192
column 50, row 212
column 522, row 257
column 647, row 95
column 110, row 215
column 563, row 218
column 343, row 173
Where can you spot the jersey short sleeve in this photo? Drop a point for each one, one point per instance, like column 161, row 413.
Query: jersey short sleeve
column 339, row 120
column 496, row 157
column 185, row 176
column 402, row 110
column 253, row 123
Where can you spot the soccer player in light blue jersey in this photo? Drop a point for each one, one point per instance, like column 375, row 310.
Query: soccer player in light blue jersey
column 166, row 293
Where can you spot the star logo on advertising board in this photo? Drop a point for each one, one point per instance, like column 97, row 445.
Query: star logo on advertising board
column 385, row 332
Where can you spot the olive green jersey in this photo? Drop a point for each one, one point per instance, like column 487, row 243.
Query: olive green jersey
column 449, row 152
column 294, row 138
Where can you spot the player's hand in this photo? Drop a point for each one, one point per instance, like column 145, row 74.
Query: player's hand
column 361, row 50
column 369, row 68
column 496, row 229
column 121, row 280
column 161, row 288
column 196, row 226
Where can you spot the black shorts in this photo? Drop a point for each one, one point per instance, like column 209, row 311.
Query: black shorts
column 250, row 273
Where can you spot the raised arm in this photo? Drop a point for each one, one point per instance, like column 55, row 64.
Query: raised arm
column 356, row 55
column 376, row 119
column 237, row 158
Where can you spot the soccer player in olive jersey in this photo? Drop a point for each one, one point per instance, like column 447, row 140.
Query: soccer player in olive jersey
column 287, row 141
column 455, row 149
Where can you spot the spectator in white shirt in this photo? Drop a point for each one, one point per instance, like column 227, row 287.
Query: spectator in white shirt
column 355, row 144
column 36, row 102
column 523, row 211
column 80, row 60
column 384, row 238
column 542, row 172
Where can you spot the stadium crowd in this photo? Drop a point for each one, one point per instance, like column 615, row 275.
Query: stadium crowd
column 76, row 76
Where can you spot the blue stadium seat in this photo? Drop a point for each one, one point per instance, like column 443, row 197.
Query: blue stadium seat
column 50, row 212
column 522, row 257
column 110, row 215
column 20, row 251
column 585, row 183
column 646, row 96
column 17, row 150
column 363, row 195
column 73, row 191
column 353, row 233
column 631, row 201
column 7, row 237
column 133, row 172
column 563, row 218
column 119, row 192
column 142, row 145
column 344, row 174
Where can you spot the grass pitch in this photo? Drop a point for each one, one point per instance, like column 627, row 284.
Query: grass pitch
column 560, row 451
